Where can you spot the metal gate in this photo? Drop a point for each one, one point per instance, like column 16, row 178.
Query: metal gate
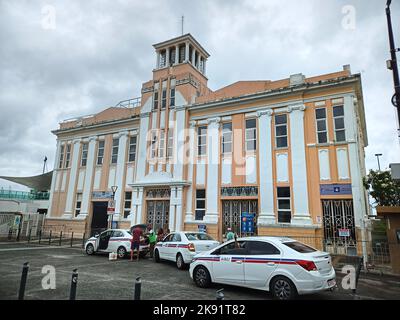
column 231, row 214
column 339, row 215
column 158, row 213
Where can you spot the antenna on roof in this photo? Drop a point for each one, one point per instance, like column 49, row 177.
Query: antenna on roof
column 45, row 164
column 183, row 19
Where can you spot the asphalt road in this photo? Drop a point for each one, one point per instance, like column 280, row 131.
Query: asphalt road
column 99, row 278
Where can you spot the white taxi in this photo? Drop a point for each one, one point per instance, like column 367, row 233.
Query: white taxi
column 114, row 240
column 282, row 266
column 181, row 247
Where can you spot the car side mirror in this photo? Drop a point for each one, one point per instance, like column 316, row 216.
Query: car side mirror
column 96, row 235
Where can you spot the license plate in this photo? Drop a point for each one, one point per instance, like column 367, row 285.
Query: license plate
column 331, row 282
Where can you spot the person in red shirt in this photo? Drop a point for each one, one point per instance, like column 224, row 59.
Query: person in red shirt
column 135, row 242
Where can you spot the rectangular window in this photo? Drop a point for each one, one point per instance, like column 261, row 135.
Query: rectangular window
column 164, row 99
column 172, row 97
column 84, row 154
column 100, row 152
column 114, row 155
column 338, row 119
column 162, row 144
column 78, row 203
column 155, row 104
column 281, row 131
column 60, row 164
column 68, row 156
column 127, row 203
column 170, row 142
column 132, row 149
column 251, row 135
column 227, row 137
column 153, row 144
column 200, row 204
column 284, row 212
column 201, row 141
column 322, row 131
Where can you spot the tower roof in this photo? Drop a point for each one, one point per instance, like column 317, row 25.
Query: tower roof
column 180, row 39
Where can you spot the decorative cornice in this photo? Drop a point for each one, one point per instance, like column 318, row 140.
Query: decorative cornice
column 267, row 112
column 123, row 134
column 93, row 138
column 215, row 120
column 298, row 107
column 192, row 123
column 76, row 141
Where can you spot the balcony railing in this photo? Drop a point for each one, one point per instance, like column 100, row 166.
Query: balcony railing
column 23, row 195
column 129, row 103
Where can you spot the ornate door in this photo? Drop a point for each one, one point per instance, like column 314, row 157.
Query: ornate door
column 231, row 214
column 157, row 213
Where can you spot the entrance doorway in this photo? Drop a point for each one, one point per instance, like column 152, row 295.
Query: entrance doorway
column 231, row 215
column 99, row 217
column 157, row 213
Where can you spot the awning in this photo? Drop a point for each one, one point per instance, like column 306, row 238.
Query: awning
column 41, row 182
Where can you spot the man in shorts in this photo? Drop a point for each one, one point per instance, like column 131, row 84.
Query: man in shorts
column 135, row 242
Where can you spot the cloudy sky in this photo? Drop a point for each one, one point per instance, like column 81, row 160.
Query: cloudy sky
column 64, row 58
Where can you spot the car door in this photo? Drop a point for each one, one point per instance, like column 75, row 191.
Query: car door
column 230, row 267
column 104, row 239
column 164, row 247
column 173, row 246
column 115, row 241
column 261, row 261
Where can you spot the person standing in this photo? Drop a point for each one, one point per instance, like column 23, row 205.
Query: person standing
column 160, row 234
column 135, row 242
column 230, row 235
column 152, row 239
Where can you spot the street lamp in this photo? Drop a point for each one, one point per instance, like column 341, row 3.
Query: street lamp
column 114, row 190
column 392, row 63
column 377, row 155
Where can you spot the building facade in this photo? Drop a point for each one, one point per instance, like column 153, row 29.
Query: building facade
column 279, row 157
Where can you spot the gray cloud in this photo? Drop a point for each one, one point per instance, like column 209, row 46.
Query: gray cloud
column 101, row 52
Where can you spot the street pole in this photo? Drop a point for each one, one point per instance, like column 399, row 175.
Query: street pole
column 377, row 155
column 392, row 64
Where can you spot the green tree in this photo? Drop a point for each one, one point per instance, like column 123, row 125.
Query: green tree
column 383, row 188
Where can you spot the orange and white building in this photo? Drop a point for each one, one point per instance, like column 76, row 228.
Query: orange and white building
column 289, row 152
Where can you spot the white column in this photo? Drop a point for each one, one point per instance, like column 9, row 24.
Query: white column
column 123, row 138
column 176, row 54
column 158, row 59
column 198, row 61
column 137, row 204
column 194, row 57
column 267, row 215
column 186, row 52
column 72, row 178
column 87, row 187
column 177, row 203
column 172, row 212
column 167, row 57
column 142, row 147
column 299, row 191
column 53, row 179
column 179, row 147
column 359, row 198
column 212, row 190
column 189, row 193
column 204, row 66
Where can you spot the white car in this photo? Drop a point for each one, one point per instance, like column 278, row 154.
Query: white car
column 283, row 266
column 181, row 247
column 114, row 240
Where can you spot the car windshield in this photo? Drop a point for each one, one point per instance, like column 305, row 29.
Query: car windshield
column 299, row 247
column 198, row 236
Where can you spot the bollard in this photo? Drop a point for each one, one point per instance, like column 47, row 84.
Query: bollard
column 83, row 241
column 72, row 237
column 138, row 287
column 220, row 294
column 29, row 235
column 358, row 274
column 74, row 282
column 40, row 235
column 9, row 234
column 60, row 239
column 22, row 285
column 50, row 238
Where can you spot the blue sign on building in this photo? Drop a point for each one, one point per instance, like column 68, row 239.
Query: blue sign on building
column 247, row 222
column 335, row 189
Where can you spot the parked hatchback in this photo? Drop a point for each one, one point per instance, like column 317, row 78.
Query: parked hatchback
column 283, row 266
column 181, row 247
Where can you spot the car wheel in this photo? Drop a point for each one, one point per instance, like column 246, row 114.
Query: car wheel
column 283, row 288
column 89, row 249
column 201, row 277
column 156, row 256
column 180, row 263
column 121, row 252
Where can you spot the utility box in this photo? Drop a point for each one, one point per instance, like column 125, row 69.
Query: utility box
column 395, row 171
